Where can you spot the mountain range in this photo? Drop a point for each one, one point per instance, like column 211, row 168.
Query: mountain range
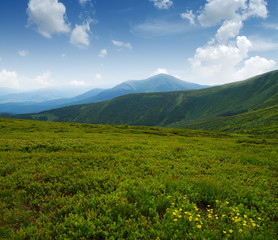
column 33, row 102
column 237, row 106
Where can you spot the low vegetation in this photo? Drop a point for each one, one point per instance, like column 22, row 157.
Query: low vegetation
column 83, row 181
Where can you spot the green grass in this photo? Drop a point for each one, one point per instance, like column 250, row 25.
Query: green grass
column 82, row 181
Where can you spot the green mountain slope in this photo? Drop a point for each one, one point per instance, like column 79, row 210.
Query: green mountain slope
column 259, row 121
column 180, row 108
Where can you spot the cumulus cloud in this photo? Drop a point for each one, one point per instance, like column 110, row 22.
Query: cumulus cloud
column 162, row 4
column 159, row 71
column 102, row 53
column 122, row 44
column 218, row 62
column 23, row 53
column 222, row 58
column 189, row 16
column 216, row 11
column 256, row 8
column 228, row 30
column 9, row 79
column 80, row 35
column 254, row 66
column 48, row 16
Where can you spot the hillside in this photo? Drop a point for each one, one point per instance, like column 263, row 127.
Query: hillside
column 82, row 181
column 32, row 102
column 180, row 108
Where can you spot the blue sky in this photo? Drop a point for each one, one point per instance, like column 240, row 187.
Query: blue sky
column 100, row 43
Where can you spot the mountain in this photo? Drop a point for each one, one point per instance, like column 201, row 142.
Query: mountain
column 158, row 83
column 180, row 108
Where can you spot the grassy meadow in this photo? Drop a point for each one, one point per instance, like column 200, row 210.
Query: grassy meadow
column 83, row 181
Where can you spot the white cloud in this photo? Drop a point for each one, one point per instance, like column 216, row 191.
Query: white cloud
column 99, row 76
column 257, row 8
column 0, row 59
column 218, row 63
column 225, row 57
column 102, row 53
column 121, row 44
column 43, row 80
column 254, row 66
column 77, row 83
column 80, row 35
column 48, row 15
column 162, row 4
column 9, row 79
column 159, row 71
column 216, row 11
column 228, row 30
column 23, row 53
column 189, row 16
column 221, row 63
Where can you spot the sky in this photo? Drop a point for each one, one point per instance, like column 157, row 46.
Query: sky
column 101, row 43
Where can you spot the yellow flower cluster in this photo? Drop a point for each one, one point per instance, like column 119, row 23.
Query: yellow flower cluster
column 233, row 215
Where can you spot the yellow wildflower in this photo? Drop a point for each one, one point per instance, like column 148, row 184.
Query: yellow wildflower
column 230, row 231
column 224, row 232
column 216, row 201
column 175, row 220
column 180, row 209
column 245, row 216
column 199, row 226
column 227, row 202
column 174, row 213
column 180, row 216
column 196, row 219
column 240, row 230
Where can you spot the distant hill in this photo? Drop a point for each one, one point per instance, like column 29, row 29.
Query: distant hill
column 158, row 83
column 180, row 108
